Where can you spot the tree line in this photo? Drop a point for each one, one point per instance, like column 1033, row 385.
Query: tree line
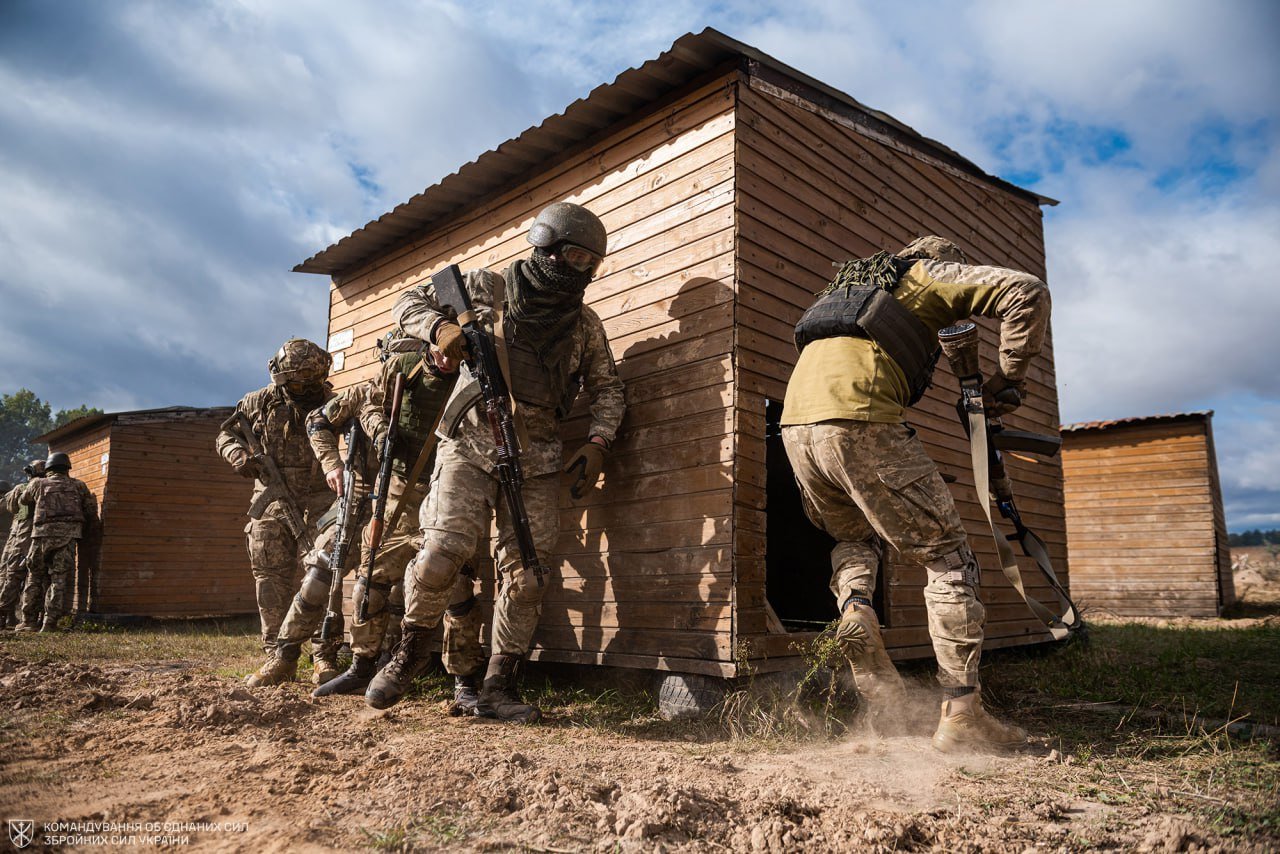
column 1254, row 538
column 23, row 417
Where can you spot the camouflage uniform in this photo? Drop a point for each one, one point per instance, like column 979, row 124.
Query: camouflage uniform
column 13, row 559
column 864, row 476
column 274, row 554
column 464, row 487
column 425, row 394
column 63, row 511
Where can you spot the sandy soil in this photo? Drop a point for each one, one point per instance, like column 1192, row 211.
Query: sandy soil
column 276, row 771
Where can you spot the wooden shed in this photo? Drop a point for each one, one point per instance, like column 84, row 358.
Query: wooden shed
column 173, row 512
column 729, row 183
column 1145, row 526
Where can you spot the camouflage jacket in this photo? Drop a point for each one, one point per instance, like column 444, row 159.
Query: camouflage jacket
column 61, row 506
column 281, row 427
column 19, row 534
column 590, row 365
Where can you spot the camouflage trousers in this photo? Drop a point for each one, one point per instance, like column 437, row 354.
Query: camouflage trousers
column 462, row 651
column 867, row 484
column 454, row 518
column 275, row 556
column 13, row 574
column 50, row 563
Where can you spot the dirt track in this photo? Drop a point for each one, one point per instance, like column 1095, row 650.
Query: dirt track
column 175, row 743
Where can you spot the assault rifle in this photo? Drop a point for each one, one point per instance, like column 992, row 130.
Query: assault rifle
column 380, row 489
column 482, row 359
column 989, row 440
column 241, row 429
column 349, row 504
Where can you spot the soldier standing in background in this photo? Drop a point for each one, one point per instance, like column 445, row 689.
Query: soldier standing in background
column 6, row 515
column 867, row 351
column 557, row 346
column 63, row 513
column 278, row 414
column 13, row 559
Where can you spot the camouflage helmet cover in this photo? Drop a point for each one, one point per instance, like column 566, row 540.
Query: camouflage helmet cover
column 565, row 222
column 35, row 468
column 299, row 361
column 57, row 460
column 932, row 248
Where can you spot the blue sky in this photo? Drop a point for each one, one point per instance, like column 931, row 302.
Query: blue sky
column 164, row 165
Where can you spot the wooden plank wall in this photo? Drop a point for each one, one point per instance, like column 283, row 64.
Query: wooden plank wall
column 643, row 569
column 174, row 542
column 1141, row 520
column 813, row 190
column 1226, row 580
column 90, row 459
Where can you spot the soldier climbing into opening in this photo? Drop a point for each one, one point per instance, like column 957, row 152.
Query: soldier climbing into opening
column 277, row 415
column 63, row 514
column 556, row 346
column 13, row 560
column 867, row 351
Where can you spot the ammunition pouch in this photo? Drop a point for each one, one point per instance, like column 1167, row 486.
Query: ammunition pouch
column 874, row 314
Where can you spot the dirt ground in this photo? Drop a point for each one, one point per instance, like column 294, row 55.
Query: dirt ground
column 104, row 733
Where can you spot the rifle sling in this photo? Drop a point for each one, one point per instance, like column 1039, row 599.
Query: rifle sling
column 1032, row 545
column 504, row 360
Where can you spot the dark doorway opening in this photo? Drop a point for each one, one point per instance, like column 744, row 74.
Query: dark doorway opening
column 797, row 554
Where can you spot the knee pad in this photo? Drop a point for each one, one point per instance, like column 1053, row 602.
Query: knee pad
column 520, row 587
column 434, row 571
column 378, row 595
column 315, row 587
column 461, row 609
column 958, row 568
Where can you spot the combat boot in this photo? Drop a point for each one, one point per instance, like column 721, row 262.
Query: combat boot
column 498, row 697
column 409, row 660
column 324, row 666
column 878, row 681
column 465, row 695
column 24, row 626
column 966, row 727
column 353, row 681
column 281, row 666
column 49, row 626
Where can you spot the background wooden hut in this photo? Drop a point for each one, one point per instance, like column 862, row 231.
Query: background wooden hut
column 728, row 183
column 1145, row 526
column 173, row 540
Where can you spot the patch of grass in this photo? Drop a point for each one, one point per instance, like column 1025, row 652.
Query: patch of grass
column 435, row 829
column 220, row 641
column 1215, row 671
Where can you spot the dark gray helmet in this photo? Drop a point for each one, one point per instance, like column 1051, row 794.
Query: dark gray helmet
column 57, row 460
column 565, row 222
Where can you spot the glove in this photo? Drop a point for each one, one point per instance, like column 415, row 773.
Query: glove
column 449, row 341
column 245, row 465
column 1001, row 395
column 587, row 462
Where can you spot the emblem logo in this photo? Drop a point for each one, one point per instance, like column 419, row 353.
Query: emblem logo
column 22, row 832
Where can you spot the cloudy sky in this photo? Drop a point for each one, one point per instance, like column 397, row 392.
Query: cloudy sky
column 163, row 166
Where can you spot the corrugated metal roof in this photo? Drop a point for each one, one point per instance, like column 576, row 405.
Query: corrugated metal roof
column 89, row 422
column 692, row 55
column 1170, row 418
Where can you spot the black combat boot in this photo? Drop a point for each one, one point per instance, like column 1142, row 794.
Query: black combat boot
column 465, row 695
column 498, row 697
column 353, row 681
column 409, row 660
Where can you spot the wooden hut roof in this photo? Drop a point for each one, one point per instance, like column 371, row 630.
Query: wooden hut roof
column 691, row 57
column 137, row 416
column 1138, row 421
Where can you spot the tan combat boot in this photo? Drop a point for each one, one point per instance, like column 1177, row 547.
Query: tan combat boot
column 324, row 666
column 966, row 727
column 873, row 672
column 281, row 666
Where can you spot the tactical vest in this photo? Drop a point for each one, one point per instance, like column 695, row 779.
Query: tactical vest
column 58, row 500
column 424, row 397
column 873, row 313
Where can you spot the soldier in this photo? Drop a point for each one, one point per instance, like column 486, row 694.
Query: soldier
column 425, row 391
column 866, row 479
column 6, row 515
column 63, row 511
column 13, row 560
column 556, row 345
column 278, row 415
